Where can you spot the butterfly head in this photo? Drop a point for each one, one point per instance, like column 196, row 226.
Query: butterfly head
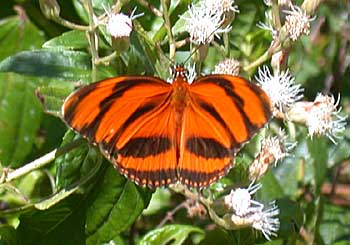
column 179, row 71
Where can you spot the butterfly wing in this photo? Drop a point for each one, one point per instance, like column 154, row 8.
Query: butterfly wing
column 223, row 113
column 131, row 119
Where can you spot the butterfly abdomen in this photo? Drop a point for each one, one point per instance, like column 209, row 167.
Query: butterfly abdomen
column 157, row 133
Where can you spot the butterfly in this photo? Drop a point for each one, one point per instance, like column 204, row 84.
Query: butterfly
column 158, row 133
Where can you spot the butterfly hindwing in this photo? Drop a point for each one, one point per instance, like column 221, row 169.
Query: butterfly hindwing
column 205, row 148
column 224, row 112
column 157, row 133
column 122, row 115
column 147, row 155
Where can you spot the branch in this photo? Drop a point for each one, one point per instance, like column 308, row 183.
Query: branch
column 38, row 163
column 153, row 9
column 167, row 24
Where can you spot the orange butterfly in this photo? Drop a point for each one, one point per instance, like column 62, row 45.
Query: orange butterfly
column 157, row 133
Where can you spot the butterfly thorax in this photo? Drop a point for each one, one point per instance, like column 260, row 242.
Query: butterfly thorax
column 180, row 86
column 179, row 101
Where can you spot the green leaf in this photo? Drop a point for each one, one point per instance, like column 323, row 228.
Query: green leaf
column 99, row 7
column 117, row 240
column 217, row 236
column 75, row 164
column 161, row 199
column 35, row 185
column 68, row 40
column 61, row 64
column 287, row 174
column 114, row 207
column 291, row 218
column 338, row 153
column 61, row 224
column 318, row 149
column 335, row 225
column 173, row 234
column 53, row 95
column 20, row 117
column 152, row 57
column 68, row 190
column 246, row 236
column 8, row 235
column 17, row 34
column 271, row 189
column 178, row 23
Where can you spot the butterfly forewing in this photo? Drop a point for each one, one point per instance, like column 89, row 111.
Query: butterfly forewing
column 157, row 133
column 223, row 113
column 131, row 120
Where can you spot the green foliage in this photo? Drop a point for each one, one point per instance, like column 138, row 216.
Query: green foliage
column 61, row 64
column 80, row 198
column 18, row 127
column 115, row 205
column 176, row 234
column 68, row 40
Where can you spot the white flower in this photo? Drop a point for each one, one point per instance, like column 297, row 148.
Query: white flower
column 268, row 26
column 227, row 66
column 120, row 25
column 297, row 22
column 268, row 2
column 248, row 212
column 280, row 88
column 221, row 6
column 266, row 221
column 272, row 150
column 203, row 24
column 324, row 119
column 240, row 200
column 320, row 116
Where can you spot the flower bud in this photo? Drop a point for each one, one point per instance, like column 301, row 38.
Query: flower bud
column 50, row 8
column 120, row 26
column 201, row 52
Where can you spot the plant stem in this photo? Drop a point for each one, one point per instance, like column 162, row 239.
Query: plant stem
column 92, row 37
column 68, row 190
column 276, row 21
column 153, row 9
column 172, row 44
column 182, row 43
column 106, row 59
column 70, row 25
column 179, row 188
column 258, row 61
column 221, row 49
column 226, row 38
column 40, row 162
column 170, row 214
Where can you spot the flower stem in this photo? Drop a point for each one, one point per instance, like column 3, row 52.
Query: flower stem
column 179, row 188
column 257, row 62
column 92, row 37
column 276, row 21
column 166, row 17
column 40, row 162
column 106, row 59
column 69, row 24
column 226, row 38
column 153, row 9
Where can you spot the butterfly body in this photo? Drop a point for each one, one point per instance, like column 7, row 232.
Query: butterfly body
column 157, row 133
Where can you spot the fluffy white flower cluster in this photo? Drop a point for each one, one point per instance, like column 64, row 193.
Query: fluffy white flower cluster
column 248, row 212
column 204, row 21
